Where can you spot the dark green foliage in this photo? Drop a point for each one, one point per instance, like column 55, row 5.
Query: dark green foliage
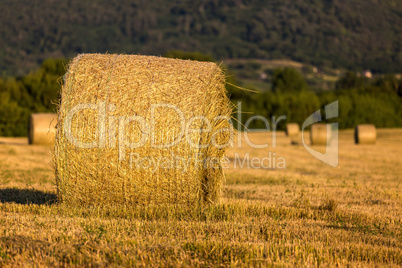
column 400, row 89
column 44, row 85
column 369, row 105
column 388, row 84
column 13, row 118
column 353, row 34
column 360, row 101
column 290, row 98
column 351, row 80
column 33, row 93
column 288, row 80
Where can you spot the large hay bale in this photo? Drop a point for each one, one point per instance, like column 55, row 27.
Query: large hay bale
column 319, row 134
column 118, row 112
column 365, row 134
column 41, row 128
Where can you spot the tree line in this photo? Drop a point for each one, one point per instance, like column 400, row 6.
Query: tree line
column 377, row 101
column 374, row 101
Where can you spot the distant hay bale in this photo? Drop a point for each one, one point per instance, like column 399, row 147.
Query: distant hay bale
column 319, row 134
column 293, row 132
column 120, row 123
column 365, row 134
column 41, row 129
column 292, row 129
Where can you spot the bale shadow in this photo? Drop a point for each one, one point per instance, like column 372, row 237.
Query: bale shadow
column 26, row 196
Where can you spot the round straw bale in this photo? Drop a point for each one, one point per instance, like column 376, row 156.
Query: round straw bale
column 319, row 134
column 141, row 130
column 365, row 134
column 292, row 130
column 41, row 129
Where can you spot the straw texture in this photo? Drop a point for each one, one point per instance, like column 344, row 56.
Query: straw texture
column 41, row 129
column 318, row 134
column 125, row 90
column 365, row 134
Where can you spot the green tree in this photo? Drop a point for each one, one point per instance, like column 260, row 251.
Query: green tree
column 13, row 118
column 350, row 80
column 387, row 83
column 36, row 92
column 288, row 80
column 44, row 85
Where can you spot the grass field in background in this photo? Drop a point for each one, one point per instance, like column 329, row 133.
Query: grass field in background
column 308, row 214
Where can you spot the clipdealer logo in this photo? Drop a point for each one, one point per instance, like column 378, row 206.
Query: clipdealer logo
column 107, row 125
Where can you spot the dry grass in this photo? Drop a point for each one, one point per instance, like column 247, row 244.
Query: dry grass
column 308, row 214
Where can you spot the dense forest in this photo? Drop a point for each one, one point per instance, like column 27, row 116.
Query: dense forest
column 352, row 34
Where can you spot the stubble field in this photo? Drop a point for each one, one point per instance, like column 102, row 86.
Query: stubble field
column 307, row 214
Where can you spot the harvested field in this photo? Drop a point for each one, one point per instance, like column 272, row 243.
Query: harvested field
column 307, row 214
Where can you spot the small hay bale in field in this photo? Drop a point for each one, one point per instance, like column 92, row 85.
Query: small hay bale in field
column 319, row 134
column 41, row 129
column 120, row 136
column 293, row 132
column 365, row 134
column 292, row 129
